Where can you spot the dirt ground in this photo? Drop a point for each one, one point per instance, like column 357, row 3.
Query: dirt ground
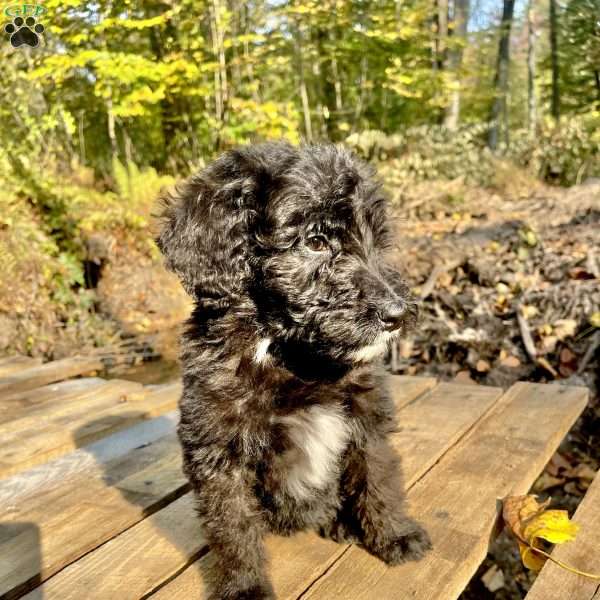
column 510, row 291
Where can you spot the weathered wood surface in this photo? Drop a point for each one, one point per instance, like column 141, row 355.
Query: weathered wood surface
column 35, row 438
column 164, row 544
column 114, row 519
column 73, row 466
column 10, row 365
column 40, row 400
column 583, row 553
column 88, row 506
column 407, row 389
column 458, row 499
column 40, row 375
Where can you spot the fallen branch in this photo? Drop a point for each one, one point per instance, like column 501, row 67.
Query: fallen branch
column 589, row 353
column 428, row 286
column 530, row 345
column 526, row 335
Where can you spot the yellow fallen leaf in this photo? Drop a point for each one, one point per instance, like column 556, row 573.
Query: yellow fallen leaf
column 529, row 311
column 530, row 522
column 550, row 525
column 517, row 511
column 564, row 328
column 553, row 526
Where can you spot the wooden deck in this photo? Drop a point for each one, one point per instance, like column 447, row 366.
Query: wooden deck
column 93, row 504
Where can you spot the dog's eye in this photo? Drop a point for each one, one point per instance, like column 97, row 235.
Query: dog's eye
column 317, row 243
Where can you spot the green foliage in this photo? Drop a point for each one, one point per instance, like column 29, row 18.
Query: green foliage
column 579, row 33
column 138, row 188
column 431, row 152
column 562, row 154
column 565, row 153
column 169, row 86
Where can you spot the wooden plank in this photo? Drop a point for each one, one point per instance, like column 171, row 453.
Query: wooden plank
column 428, row 427
column 49, row 373
column 35, row 401
column 150, row 552
column 458, row 500
column 96, row 398
column 73, row 467
column 583, row 554
column 406, row 388
column 80, row 424
column 24, row 440
column 89, row 506
column 164, row 544
column 10, row 365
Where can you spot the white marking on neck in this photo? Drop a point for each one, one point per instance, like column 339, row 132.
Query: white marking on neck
column 262, row 351
column 377, row 348
column 320, row 433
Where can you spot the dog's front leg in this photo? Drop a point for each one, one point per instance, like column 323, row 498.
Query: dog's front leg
column 374, row 505
column 234, row 529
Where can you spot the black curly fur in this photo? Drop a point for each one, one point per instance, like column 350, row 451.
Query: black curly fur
column 284, row 413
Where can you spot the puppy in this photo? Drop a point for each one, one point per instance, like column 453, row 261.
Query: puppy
column 284, row 413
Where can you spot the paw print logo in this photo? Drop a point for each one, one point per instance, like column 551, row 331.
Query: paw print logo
column 24, row 31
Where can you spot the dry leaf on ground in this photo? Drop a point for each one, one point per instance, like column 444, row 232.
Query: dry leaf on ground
column 530, row 522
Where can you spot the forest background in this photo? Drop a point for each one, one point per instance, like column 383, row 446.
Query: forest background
column 120, row 99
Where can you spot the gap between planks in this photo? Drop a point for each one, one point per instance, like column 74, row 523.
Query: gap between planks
column 156, row 549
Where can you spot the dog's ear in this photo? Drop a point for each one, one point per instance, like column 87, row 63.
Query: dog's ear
column 207, row 222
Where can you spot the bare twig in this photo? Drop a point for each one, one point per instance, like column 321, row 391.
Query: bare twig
column 428, row 286
column 530, row 346
column 544, row 363
column 526, row 335
column 589, row 353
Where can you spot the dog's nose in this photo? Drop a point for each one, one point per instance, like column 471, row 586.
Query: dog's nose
column 392, row 316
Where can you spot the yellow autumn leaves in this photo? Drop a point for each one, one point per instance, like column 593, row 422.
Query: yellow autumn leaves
column 530, row 522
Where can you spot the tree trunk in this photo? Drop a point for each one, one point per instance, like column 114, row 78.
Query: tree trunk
column 499, row 107
column 532, row 100
column 555, row 106
column 455, row 57
column 248, row 60
column 302, row 83
column 327, row 94
column 112, row 136
column 364, row 65
column 80, row 130
column 220, row 74
column 441, row 18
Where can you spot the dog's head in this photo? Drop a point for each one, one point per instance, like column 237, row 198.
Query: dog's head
column 301, row 234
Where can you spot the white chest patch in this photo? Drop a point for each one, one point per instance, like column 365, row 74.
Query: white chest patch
column 319, row 435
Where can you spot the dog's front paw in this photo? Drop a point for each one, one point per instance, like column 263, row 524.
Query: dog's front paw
column 256, row 592
column 412, row 544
